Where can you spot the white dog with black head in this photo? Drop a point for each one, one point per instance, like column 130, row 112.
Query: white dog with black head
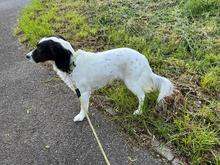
column 84, row 71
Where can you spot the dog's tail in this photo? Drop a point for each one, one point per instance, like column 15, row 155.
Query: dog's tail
column 164, row 86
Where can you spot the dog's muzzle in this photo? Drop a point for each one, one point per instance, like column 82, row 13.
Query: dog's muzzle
column 29, row 56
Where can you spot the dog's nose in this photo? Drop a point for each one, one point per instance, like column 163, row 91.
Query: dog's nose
column 28, row 57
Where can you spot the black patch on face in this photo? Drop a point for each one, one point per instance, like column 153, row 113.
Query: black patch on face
column 43, row 52
column 53, row 51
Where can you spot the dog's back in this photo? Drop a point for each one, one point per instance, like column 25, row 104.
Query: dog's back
column 102, row 67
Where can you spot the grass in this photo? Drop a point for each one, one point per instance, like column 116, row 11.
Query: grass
column 181, row 40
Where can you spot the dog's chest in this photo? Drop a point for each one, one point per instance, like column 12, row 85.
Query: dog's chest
column 65, row 77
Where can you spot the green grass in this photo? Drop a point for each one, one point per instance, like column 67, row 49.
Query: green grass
column 202, row 7
column 42, row 19
column 181, row 40
column 34, row 25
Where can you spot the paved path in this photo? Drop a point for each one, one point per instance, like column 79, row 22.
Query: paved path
column 36, row 114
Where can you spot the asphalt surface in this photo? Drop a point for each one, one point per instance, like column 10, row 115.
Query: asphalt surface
column 37, row 111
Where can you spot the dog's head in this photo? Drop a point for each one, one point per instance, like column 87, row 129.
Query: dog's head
column 55, row 49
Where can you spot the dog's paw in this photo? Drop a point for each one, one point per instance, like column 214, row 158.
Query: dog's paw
column 137, row 112
column 79, row 117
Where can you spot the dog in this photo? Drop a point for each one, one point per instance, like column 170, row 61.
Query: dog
column 84, row 72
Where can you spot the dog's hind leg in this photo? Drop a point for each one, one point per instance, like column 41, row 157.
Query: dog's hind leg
column 138, row 91
column 84, row 101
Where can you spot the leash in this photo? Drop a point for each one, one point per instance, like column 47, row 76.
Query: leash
column 97, row 139
column 93, row 130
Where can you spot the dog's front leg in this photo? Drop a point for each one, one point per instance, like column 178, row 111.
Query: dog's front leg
column 84, row 101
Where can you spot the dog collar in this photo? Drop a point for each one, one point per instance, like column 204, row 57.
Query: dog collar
column 72, row 66
column 72, row 62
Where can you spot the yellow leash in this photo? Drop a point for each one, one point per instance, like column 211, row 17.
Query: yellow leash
column 93, row 130
column 98, row 141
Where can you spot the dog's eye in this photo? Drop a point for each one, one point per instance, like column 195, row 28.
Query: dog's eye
column 39, row 50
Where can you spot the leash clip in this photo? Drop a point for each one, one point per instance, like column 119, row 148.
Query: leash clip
column 78, row 92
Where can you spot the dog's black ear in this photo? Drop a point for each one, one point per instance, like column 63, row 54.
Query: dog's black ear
column 62, row 57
